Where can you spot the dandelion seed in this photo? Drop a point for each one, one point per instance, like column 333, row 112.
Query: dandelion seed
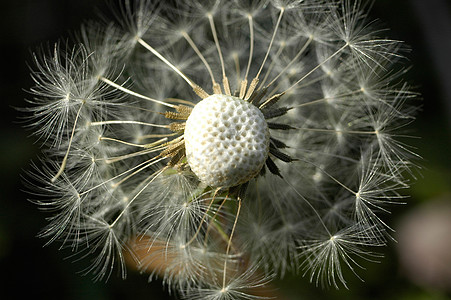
column 223, row 142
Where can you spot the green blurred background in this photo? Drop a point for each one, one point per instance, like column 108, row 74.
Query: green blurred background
column 32, row 271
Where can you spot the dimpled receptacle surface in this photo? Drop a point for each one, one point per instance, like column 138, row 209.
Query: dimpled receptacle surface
column 226, row 141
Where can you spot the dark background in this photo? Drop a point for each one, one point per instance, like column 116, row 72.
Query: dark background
column 36, row 272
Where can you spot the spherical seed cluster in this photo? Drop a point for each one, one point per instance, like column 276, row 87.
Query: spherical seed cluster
column 115, row 177
column 226, row 141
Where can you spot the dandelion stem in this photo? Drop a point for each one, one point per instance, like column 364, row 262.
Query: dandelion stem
column 330, row 176
column 349, row 159
column 305, row 84
column 199, row 54
column 127, row 122
column 153, row 176
column 104, row 138
column 197, row 89
column 213, row 218
column 119, row 175
column 162, row 58
column 251, row 53
column 324, row 99
column 130, row 155
column 218, row 48
column 125, row 90
column 310, row 205
column 273, row 63
column 282, row 10
column 203, row 218
column 151, row 136
column 307, row 43
column 254, row 81
column 63, row 164
column 182, row 101
column 338, row 131
column 318, row 66
column 224, row 275
column 251, row 45
column 152, row 147
column 136, row 172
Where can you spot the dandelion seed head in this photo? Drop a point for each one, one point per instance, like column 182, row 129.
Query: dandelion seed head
column 226, row 140
column 231, row 141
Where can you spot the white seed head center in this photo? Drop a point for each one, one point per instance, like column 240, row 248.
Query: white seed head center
column 226, row 141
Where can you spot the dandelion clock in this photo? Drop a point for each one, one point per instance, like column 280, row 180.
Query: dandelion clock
column 218, row 145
